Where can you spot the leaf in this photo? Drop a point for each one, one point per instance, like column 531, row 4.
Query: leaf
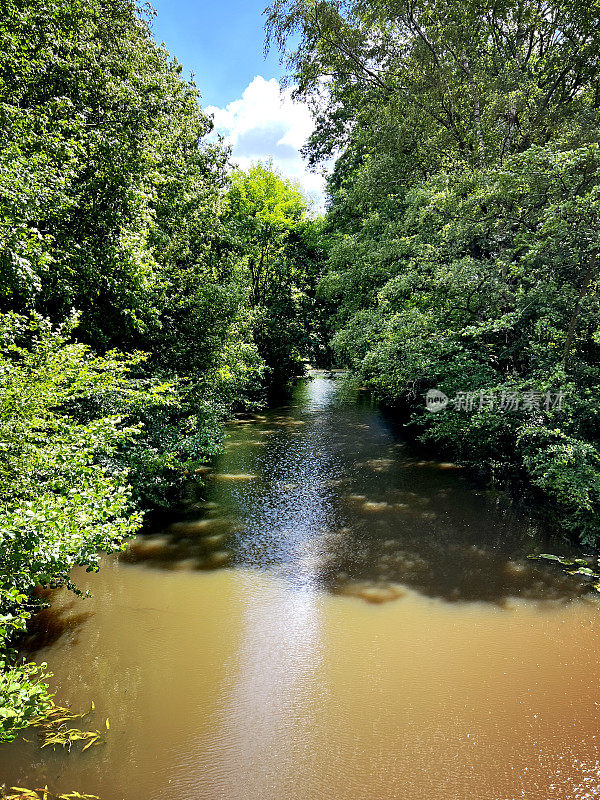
column 584, row 571
column 567, row 562
column 91, row 743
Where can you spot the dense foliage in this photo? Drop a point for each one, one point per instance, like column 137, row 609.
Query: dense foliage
column 121, row 232
column 147, row 291
column 465, row 218
column 282, row 251
column 63, row 497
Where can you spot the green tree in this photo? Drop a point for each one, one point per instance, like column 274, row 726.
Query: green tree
column 275, row 239
column 464, row 220
column 439, row 80
column 64, row 496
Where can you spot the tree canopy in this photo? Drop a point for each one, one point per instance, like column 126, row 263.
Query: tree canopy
column 464, row 222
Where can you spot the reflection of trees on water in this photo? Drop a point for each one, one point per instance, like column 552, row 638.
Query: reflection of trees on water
column 367, row 560
column 53, row 623
column 325, row 496
column 198, row 543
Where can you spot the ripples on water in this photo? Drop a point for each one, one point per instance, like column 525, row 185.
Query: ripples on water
column 324, row 493
column 290, row 636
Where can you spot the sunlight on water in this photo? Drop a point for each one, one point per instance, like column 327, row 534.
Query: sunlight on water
column 333, row 618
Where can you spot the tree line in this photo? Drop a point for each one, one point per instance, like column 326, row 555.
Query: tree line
column 147, row 291
column 464, row 224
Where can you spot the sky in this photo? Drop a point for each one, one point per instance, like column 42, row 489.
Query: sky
column 221, row 42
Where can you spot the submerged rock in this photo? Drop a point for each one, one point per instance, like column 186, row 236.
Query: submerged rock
column 371, row 505
column 514, row 569
column 203, row 470
column 378, row 464
column 149, row 546
column 184, row 565
column 197, row 526
column 214, row 541
column 224, row 476
column 202, row 506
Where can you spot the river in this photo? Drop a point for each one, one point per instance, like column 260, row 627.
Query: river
column 336, row 619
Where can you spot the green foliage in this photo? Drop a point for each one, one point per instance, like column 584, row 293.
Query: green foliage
column 281, row 255
column 465, row 221
column 111, row 199
column 425, row 84
column 63, row 498
column 23, row 691
column 84, row 444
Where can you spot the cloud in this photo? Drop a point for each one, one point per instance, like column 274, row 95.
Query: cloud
column 265, row 123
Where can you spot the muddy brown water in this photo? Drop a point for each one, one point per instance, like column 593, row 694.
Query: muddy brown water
column 332, row 619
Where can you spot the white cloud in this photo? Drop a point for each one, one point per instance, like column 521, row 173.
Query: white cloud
column 265, row 123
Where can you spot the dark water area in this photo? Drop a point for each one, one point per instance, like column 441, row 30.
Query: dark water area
column 332, row 619
column 325, row 493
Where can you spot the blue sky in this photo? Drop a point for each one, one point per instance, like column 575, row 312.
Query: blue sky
column 222, row 43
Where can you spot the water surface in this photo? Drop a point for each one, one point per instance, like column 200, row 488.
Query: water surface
column 332, row 618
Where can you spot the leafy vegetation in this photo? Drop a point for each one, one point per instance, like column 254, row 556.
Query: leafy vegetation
column 464, row 223
column 280, row 247
column 130, row 325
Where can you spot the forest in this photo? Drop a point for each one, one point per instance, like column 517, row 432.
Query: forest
column 149, row 290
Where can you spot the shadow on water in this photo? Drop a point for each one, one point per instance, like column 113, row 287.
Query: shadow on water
column 323, row 493
column 52, row 624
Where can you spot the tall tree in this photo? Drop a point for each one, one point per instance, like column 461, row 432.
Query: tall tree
column 472, row 80
column 275, row 238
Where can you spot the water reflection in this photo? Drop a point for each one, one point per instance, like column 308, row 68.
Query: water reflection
column 271, row 706
column 55, row 624
column 325, row 495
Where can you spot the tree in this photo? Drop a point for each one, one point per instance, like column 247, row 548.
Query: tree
column 439, row 80
column 274, row 237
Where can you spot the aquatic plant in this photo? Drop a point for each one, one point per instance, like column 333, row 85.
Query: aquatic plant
column 17, row 793
column 54, row 731
column 581, row 566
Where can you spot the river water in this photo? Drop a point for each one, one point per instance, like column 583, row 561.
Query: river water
column 332, row 619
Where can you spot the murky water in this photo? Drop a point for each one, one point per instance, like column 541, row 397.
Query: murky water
column 333, row 619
